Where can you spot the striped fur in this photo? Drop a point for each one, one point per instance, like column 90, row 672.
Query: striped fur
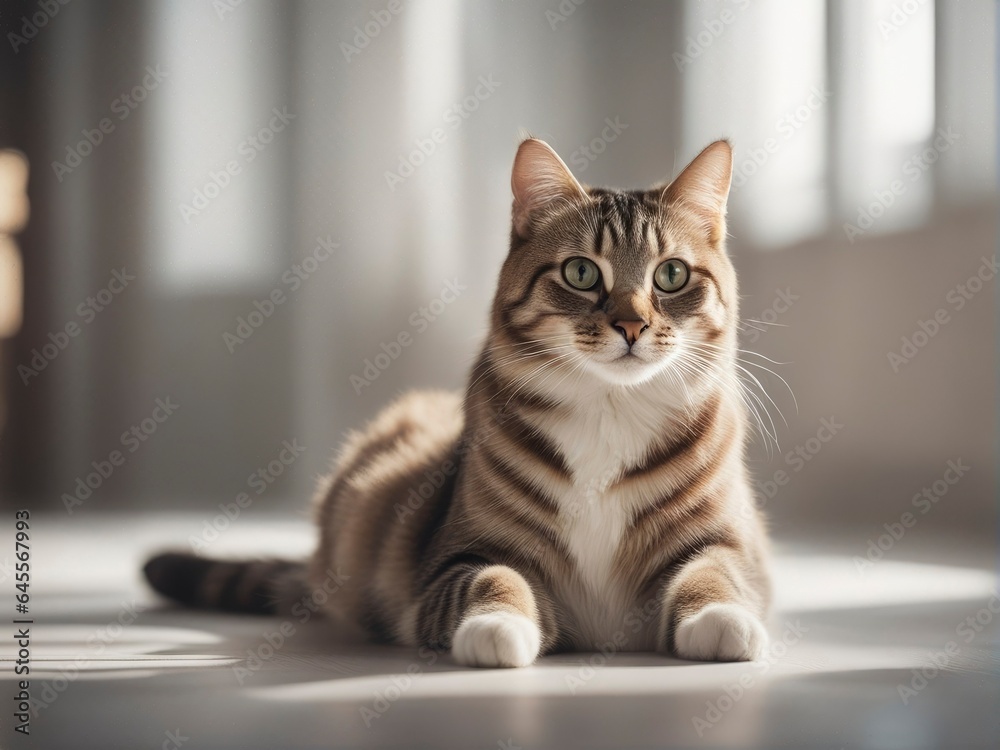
column 589, row 490
column 263, row 587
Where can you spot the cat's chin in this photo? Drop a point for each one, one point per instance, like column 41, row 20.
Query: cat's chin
column 627, row 370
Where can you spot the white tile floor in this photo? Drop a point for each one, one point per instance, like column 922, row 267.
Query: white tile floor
column 110, row 668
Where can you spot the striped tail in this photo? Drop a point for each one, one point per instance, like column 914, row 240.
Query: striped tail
column 262, row 587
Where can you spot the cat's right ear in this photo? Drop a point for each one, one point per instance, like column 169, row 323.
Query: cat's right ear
column 703, row 188
column 540, row 181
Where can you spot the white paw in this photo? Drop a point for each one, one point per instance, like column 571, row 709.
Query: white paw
column 721, row 632
column 496, row 639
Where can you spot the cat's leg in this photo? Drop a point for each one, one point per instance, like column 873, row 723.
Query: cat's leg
column 713, row 609
column 488, row 614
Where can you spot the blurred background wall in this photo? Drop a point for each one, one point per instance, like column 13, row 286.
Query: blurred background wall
column 288, row 186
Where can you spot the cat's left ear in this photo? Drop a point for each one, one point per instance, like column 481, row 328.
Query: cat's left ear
column 703, row 187
column 540, row 181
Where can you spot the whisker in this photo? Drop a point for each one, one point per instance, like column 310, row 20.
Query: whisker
column 754, row 364
column 492, row 364
column 759, row 385
column 766, row 322
column 537, row 371
column 699, row 365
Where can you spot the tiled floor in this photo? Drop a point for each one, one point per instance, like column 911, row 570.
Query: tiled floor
column 112, row 669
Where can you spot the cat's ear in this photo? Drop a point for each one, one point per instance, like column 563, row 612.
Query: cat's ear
column 703, row 187
column 540, row 181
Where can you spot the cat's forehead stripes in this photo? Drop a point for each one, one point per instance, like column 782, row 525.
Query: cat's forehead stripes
column 624, row 217
column 604, row 240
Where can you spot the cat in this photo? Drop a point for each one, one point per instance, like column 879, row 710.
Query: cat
column 589, row 491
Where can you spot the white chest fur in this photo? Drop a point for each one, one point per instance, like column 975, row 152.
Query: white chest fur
column 608, row 433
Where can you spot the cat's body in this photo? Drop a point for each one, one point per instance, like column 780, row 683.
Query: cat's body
column 589, row 491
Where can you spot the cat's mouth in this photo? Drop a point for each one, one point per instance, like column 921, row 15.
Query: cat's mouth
column 636, row 354
column 627, row 358
column 628, row 368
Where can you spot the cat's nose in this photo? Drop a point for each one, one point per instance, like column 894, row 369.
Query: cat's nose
column 630, row 329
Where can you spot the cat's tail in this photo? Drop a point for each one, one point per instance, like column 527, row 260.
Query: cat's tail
column 262, row 587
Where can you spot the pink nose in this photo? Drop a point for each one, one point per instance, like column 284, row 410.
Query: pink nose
column 630, row 329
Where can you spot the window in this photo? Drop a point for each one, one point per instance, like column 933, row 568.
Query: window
column 832, row 108
column 217, row 225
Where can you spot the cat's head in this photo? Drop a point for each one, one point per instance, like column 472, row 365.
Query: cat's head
column 622, row 285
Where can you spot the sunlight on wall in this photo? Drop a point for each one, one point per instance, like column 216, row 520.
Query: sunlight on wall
column 214, row 183
column 762, row 74
column 432, row 84
column 885, row 84
column 757, row 74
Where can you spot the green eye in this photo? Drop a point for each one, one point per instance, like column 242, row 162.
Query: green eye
column 671, row 275
column 581, row 273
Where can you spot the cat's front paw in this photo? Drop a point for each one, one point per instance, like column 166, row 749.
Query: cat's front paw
column 496, row 639
column 721, row 632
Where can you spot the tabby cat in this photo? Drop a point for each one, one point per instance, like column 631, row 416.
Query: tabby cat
column 589, row 490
